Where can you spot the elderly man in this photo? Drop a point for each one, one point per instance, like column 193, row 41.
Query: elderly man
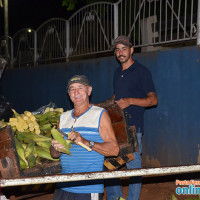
column 91, row 126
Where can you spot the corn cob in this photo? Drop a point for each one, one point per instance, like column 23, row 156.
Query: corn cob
column 47, row 109
column 31, row 128
column 27, row 113
column 61, row 110
column 37, row 160
column 44, row 154
column 47, row 134
column 34, row 137
column 2, row 123
column 35, row 125
column 37, row 131
column 29, row 123
column 31, row 160
column 46, row 121
column 13, row 119
column 46, row 115
column 24, row 117
column 45, row 127
column 32, row 118
column 38, row 116
column 54, row 119
column 22, row 163
column 15, row 113
column 57, row 136
column 12, row 123
column 29, row 149
column 69, row 143
column 20, row 150
column 20, row 137
column 22, row 122
column 14, row 129
column 24, row 145
column 19, row 127
column 41, row 149
column 45, row 144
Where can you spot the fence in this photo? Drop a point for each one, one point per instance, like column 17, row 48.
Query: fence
column 91, row 30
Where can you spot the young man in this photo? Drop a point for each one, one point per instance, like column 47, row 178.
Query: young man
column 90, row 125
column 133, row 91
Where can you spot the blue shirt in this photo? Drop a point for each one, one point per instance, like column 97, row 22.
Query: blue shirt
column 134, row 82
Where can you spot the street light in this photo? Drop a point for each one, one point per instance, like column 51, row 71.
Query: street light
column 5, row 25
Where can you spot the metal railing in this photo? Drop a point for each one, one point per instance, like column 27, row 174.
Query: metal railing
column 150, row 23
column 98, row 175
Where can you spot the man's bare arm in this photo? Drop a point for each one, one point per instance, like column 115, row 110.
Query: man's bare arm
column 150, row 100
column 110, row 146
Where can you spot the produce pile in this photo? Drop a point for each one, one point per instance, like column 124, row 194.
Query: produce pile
column 33, row 135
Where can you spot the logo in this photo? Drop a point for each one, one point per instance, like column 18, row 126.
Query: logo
column 188, row 187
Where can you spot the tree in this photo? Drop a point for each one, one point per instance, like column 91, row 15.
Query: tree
column 71, row 4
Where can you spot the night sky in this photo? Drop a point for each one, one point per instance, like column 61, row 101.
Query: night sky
column 31, row 14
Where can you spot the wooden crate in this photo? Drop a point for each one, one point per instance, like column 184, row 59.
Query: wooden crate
column 9, row 162
column 126, row 138
column 125, row 135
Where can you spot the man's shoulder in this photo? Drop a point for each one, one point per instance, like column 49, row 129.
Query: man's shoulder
column 140, row 66
column 97, row 108
column 67, row 112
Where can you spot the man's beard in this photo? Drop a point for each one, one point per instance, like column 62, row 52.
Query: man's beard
column 124, row 61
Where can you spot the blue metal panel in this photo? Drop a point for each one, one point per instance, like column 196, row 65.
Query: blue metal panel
column 172, row 130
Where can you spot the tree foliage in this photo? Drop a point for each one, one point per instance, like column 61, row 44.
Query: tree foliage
column 71, row 4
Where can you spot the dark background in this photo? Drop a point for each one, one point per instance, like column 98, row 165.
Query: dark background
column 31, row 14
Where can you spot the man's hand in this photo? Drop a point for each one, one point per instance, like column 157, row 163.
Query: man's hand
column 56, row 145
column 123, row 103
column 76, row 137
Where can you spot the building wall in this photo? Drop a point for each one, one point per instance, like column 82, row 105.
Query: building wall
column 172, row 129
